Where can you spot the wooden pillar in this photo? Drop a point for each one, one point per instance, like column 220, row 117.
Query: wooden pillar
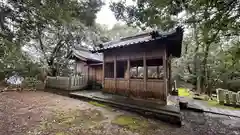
column 87, row 73
column 128, row 74
column 165, row 74
column 75, row 66
column 170, row 74
column 157, row 71
column 103, row 71
column 115, row 73
column 137, row 71
column 95, row 74
column 145, row 71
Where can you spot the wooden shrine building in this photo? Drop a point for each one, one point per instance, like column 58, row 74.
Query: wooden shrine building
column 87, row 64
column 140, row 66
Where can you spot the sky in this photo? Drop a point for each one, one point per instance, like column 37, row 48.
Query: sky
column 106, row 16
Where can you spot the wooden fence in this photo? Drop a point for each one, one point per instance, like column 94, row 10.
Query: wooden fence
column 67, row 83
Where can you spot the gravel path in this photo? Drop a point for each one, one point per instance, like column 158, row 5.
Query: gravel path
column 24, row 113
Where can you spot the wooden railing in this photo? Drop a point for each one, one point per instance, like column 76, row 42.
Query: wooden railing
column 67, row 83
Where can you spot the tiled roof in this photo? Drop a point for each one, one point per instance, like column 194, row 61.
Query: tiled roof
column 85, row 54
column 137, row 39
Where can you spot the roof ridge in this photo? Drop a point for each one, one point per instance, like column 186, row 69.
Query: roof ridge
column 127, row 38
column 83, row 48
column 135, row 36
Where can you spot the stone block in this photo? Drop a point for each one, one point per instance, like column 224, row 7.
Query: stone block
column 227, row 98
column 230, row 96
column 234, row 98
column 220, row 96
column 238, row 97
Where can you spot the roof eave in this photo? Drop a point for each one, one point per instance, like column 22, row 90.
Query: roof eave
column 178, row 34
column 83, row 58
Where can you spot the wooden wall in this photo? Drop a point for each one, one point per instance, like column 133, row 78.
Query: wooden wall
column 122, row 86
column 95, row 73
column 81, row 67
column 143, row 88
column 133, row 53
column 109, row 85
column 155, row 88
column 67, row 83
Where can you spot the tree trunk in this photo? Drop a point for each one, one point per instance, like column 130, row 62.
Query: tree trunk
column 54, row 71
column 196, row 60
column 207, row 43
column 205, row 69
column 210, row 84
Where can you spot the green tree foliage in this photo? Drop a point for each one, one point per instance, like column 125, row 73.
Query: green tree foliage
column 49, row 28
column 167, row 13
column 116, row 32
column 223, row 62
column 13, row 61
column 211, row 24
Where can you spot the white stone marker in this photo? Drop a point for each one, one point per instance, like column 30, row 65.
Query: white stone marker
column 220, row 95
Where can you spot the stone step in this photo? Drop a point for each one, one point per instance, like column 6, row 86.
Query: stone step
column 165, row 114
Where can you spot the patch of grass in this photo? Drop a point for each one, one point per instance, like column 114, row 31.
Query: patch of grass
column 214, row 103
column 183, row 92
column 130, row 122
column 97, row 104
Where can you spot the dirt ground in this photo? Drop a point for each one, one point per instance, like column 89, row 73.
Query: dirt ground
column 42, row 113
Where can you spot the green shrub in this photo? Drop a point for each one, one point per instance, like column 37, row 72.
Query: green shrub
column 30, row 82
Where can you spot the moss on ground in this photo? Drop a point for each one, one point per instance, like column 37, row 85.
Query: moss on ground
column 201, row 97
column 184, row 92
column 214, row 103
column 98, row 104
column 65, row 123
column 61, row 133
column 131, row 122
